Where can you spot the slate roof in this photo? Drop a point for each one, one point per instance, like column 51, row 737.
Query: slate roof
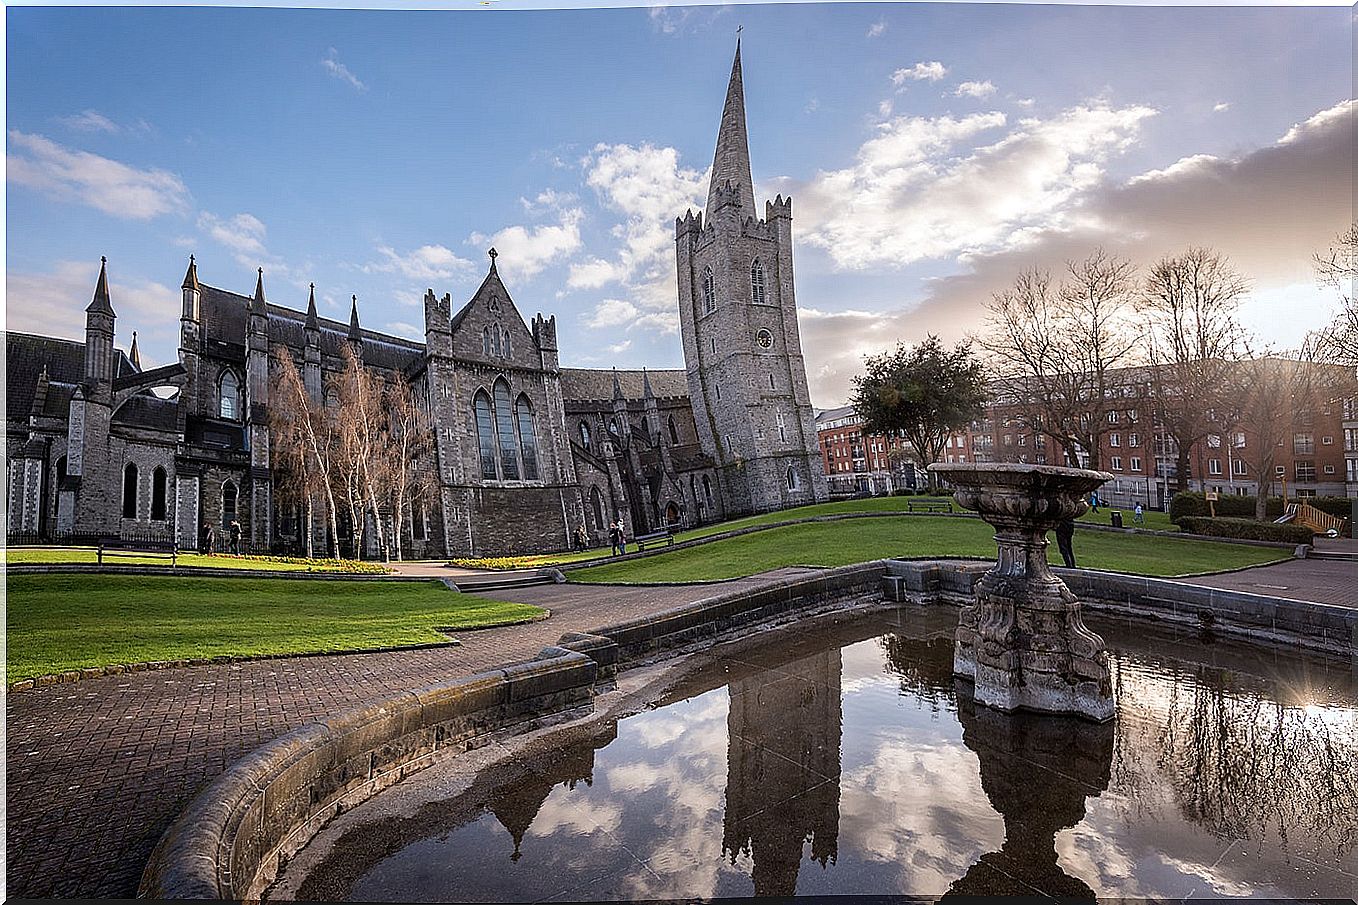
column 149, row 411
column 591, row 384
column 225, row 313
column 25, row 355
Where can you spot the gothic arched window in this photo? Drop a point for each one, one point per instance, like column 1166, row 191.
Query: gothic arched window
column 791, row 479
column 757, row 294
column 709, row 291
column 130, row 490
column 584, row 434
column 707, row 489
column 229, row 406
column 158, row 495
column 504, row 429
column 485, row 434
column 674, row 432
column 228, row 504
column 528, row 441
column 596, row 503
column 485, row 341
column 505, row 346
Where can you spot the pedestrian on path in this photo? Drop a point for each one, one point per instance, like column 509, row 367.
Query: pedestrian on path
column 1094, row 501
column 205, row 539
column 1065, row 534
column 581, row 537
column 235, row 538
column 1139, row 515
column 616, row 538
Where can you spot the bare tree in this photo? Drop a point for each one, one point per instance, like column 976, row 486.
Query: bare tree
column 1189, row 302
column 303, row 438
column 409, row 439
column 1059, row 353
column 361, row 453
column 1337, row 269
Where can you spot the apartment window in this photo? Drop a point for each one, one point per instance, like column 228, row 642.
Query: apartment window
column 1303, row 444
column 1240, row 441
column 1135, row 463
column 1117, row 463
column 1280, row 471
column 1350, row 439
column 1112, row 417
column 1214, row 466
column 1115, row 440
column 1306, row 471
column 1351, row 465
column 1238, row 466
column 1327, row 441
column 1133, row 440
column 1329, row 468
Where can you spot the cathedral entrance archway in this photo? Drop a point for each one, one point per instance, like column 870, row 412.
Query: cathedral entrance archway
column 671, row 513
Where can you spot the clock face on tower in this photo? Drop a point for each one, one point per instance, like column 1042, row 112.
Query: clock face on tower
column 764, row 339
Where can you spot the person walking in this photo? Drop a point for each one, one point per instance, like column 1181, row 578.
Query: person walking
column 1065, row 534
column 235, row 538
column 205, row 539
column 615, row 537
column 581, row 537
column 1094, row 500
column 1139, row 515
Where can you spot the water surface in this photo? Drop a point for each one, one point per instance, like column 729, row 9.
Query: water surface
column 848, row 760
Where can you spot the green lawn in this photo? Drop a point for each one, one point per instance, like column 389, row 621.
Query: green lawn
column 61, row 622
column 63, row 555
column 845, row 542
column 1158, row 521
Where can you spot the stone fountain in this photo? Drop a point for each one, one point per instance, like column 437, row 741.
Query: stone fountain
column 1023, row 642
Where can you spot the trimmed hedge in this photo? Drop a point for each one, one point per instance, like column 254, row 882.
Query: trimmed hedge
column 1245, row 529
column 1194, row 504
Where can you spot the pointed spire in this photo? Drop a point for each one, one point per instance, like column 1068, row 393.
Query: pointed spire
column 101, row 303
column 646, row 390
column 257, row 304
column 132, row 354
column 355, row 332
column 617, row 386
column 312, row 321
column 191, row 277
column 731, row 163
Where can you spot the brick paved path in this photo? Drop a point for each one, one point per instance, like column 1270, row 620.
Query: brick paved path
column 98, row 769
column 1316, row 580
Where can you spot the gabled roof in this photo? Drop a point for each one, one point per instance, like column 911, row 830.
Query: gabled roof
column 147, row 410
column 25, row 356
column 590, row 384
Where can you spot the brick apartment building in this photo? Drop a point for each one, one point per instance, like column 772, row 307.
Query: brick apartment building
column 1320, row 458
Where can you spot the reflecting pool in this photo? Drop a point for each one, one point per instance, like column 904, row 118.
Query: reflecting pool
column 845, row 759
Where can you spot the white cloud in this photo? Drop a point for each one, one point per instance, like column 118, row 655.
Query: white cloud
column 619, row 348
column 876, row 29
column 646, row 186
column 115, row 188
column 53, row 304
column 243, row 234
column 1317, row 126
column 922, row 189
column 1222, row 107
column 975, row 89
column 612, row 313
column 812, row 105
column 428, row 263
column 1025, row 102
column 920, row 72
column 401, row 328
column 525, row 251
column 89, row 121
column 338, row 70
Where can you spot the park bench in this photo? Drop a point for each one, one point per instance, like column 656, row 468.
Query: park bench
column 665, row 537
column 115, row 546
column 928, row 506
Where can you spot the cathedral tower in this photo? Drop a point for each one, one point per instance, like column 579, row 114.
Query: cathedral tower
column 738, row 318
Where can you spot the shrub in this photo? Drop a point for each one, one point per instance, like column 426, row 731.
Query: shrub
column 495, row 563
column 1194, row 504
column 1245, row 529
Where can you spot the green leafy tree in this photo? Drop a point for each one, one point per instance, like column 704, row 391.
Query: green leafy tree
column 923, row 393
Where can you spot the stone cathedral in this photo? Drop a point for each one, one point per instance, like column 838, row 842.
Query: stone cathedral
column 524, row 450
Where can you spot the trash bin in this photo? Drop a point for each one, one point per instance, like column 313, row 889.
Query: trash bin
column 1117, row 518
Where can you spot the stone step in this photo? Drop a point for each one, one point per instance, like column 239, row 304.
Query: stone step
column 1341, row 555
column 501, row 582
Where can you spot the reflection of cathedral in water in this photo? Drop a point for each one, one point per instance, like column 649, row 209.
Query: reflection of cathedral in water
column 782, row 785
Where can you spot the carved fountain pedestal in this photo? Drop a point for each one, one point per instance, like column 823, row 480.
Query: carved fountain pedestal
column 1022, row 642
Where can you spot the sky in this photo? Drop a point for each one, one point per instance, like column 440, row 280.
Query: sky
column 932, row 152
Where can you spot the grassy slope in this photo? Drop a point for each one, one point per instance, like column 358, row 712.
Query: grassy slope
column 1157, row 521
column 61, row 622
column 845, row 542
